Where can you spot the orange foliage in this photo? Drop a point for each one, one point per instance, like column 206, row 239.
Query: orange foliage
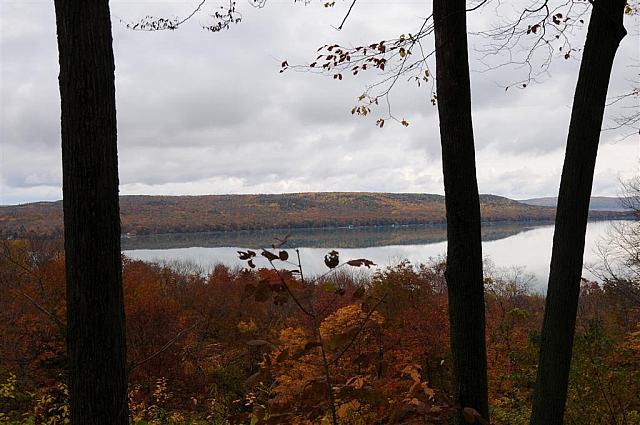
column 143, row 215
column 194, row 337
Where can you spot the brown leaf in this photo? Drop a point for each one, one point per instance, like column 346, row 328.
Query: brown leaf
column 430, row 392
column 361, row 262
column 246, row 255
column 358, row 383
column 413, row 387
column 343, row 410
column 269, row 255
column 470, row 415
column 332, row 259
column 257, row 377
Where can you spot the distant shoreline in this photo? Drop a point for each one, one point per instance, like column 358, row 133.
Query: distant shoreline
column 156, row 215
column 615, row 215
column 337, row 237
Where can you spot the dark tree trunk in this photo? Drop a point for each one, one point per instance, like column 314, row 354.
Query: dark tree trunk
column 464, row 250
column 603, row 37
column 95, row 309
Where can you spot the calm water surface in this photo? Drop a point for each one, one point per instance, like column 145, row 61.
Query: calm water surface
column 506, row 245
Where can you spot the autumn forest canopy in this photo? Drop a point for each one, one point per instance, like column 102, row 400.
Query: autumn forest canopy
column 142, row 215
column 232, row 344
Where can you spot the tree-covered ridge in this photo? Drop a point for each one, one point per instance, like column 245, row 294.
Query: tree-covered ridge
column 190, row 214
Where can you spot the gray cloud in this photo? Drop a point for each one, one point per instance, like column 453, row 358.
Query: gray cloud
column 210, row 113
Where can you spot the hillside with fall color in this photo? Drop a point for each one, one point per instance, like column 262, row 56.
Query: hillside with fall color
column 144, row 215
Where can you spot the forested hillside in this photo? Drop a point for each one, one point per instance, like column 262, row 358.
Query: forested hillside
column 189, row 214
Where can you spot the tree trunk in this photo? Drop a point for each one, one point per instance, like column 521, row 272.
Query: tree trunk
column 464, row 250
column 95, row 309
column 603, row 37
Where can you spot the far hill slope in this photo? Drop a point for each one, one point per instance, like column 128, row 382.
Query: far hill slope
column 598, row 203
column 189, row 214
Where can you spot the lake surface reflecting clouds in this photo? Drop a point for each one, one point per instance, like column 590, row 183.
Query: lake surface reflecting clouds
column 506, row 245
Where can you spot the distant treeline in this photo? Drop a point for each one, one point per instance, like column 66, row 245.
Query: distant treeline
column 145, row 215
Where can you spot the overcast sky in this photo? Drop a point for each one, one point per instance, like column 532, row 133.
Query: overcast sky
column 210, row 113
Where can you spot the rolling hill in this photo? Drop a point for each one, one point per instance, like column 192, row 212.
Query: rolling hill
column 143, row 215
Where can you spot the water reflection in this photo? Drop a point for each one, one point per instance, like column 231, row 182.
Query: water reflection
column 341, row 237
column 513, row 244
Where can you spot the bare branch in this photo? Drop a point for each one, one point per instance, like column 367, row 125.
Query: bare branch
column 165, row 347
column 225, row 17
column 346, row 16
column 359, row 330
column 50, row 312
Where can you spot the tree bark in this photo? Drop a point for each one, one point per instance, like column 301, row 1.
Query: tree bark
column 464, row 250
column 603, row 37
column 95, row 309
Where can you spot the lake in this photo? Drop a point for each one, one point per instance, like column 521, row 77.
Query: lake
column 526, row 244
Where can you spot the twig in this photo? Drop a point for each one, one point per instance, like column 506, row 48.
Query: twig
column 346, row 16
column 164, row 347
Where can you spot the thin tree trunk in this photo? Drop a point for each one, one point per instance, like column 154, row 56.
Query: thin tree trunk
column 464, row 250
column 95, row 309
column 603, row 37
